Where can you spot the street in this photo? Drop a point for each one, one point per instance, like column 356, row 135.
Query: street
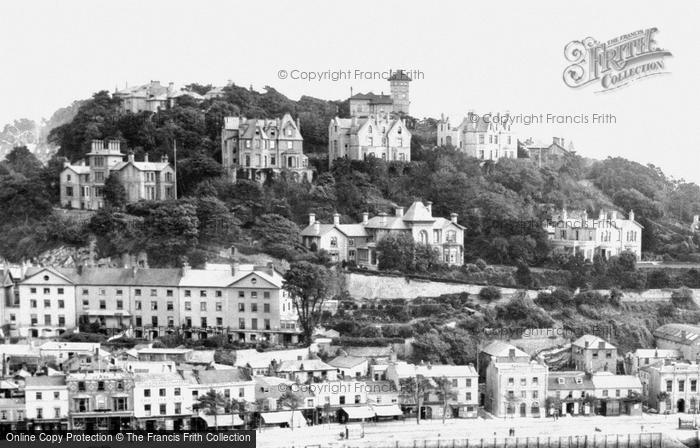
column 407, row 431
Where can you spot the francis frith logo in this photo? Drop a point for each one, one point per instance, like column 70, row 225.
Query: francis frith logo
column 615, row 63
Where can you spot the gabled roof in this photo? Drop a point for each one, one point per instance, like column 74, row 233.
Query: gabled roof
column 78, row 169
column 418, row 212
column 349, row 230
column 70, row 275
column 141, row 166
column 344, row 361
column 306, row 365
column 657, row 353
column 390, row 222
column 369, row 352
column 501, row 349
column 404, row 370
column 591, row 341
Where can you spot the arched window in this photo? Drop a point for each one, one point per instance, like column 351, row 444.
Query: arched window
column 423, row 237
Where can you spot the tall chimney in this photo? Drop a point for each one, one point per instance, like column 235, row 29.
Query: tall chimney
column 399, row 212
column 365, row 218
column 185, row 268
column 145, row 157
column 631, row 215
column 234, row 269
column 336, row 219
column 164, row 158
column 382, row 219
column 453, row 217
column 429, row 206
column 317, row 227
column 312, row 218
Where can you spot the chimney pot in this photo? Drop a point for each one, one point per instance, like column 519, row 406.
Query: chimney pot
column 145, row 157
column 453, row 217
column 399, row 212
column 312, row 218
column 336, row 219
column 429, row 206
column 365, row 218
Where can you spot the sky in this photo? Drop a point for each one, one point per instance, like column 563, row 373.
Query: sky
column 481, row 56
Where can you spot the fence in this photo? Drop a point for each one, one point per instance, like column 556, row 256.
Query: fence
column 641, row 440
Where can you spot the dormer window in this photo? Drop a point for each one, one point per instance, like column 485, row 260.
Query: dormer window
column 579, row 381
column 560, row 380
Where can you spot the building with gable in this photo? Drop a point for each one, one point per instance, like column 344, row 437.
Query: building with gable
column 376, row 135
column 356, row 243
column 82, row 184
column 256, row 147
column 151, row 97
column 590, row 354
column 607, row 235
column 482, row 136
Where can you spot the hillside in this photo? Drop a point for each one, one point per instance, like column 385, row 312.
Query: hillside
column 268, row 217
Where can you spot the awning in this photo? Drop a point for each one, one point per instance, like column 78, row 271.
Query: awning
column 358, row 412
column 220, row 420
column 278, row 418
column 390, row 410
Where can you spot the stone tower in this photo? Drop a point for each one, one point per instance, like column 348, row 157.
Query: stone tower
column 398, row 83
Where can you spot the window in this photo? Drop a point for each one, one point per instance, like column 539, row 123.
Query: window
column 147, row 393
column 147, row 409
column 120, row 304
column 137, row 305
column 102, row 291
column 219, row 306
column 161, row 392
column 39, row 413
column 241, row 294
column 81, row 386
column 47, row 303
column 266, row 294
column 47, row 319
column 617, row 392
column 253, row 294
column 523, row 381
column 219, row 321
column 60, row 291
column 241, row 323
column 177, row 392
column 511, row 381
column 204, row 322
column 32, row 290
column 266, row 322
column 681, row 386
column 56, row 412
column 100, row 385
column 693, row 385
column 202, row 293
column 605, row 393
column 188, row 293
column 61, row 304
column 178, row 408
column 137, row 292
column 38, row 395
column 534, row 380
column 154, row 321
column 188, row 306
column 266, row 307
column 47, row 290
column 254, row 307
column 669, row 386
column 241, row 307
column 154, row 292
column 154, row 305
column 169, row 293
column 32, row 303
column 203, row 306
column 169, row 306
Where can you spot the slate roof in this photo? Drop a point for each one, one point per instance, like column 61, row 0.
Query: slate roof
column 679, row 333
column 343, row 361
column 593, row 342
column 222, row 376
column 306, row 365
column 418, row 212
column 569, row 381
column 44, row 381
column 501, row 349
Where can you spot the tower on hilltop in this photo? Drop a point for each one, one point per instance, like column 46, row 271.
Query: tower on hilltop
column 398, row 83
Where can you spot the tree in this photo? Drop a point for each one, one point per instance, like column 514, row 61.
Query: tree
column 114, row 192
column 414, row 389
column 22, row 161
column 291, row 400
column 308, row 284
column 446, row 392
column 212, row 403
column 396, row 252
column 523, row 275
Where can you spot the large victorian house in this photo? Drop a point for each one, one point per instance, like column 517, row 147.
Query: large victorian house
column 357, row 138
column 258, row 147
column 357, row 242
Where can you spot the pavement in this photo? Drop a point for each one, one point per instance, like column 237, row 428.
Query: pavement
column 388, row 433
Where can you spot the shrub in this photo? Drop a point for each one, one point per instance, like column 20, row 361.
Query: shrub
column 490, row 293
column 683, row 298
column 591, row 298
column 481, row 264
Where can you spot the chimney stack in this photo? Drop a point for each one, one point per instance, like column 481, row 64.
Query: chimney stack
column 631, row 215
column 399, row 212
column 601, row 214
column 317, row 227
column 601, row 344
column 613, row 215
column 145, row 157
column 130, row 157
column 365, row 218
column 234, row 269
column 164, row 158
column 429, row 206
column 453, row 217
column 586, row 344
column 511, row 353
column 185, row 268
column 312, row 218
column 336, row 219
column 382, row 219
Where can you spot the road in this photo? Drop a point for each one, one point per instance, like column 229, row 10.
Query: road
column 386, row 433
